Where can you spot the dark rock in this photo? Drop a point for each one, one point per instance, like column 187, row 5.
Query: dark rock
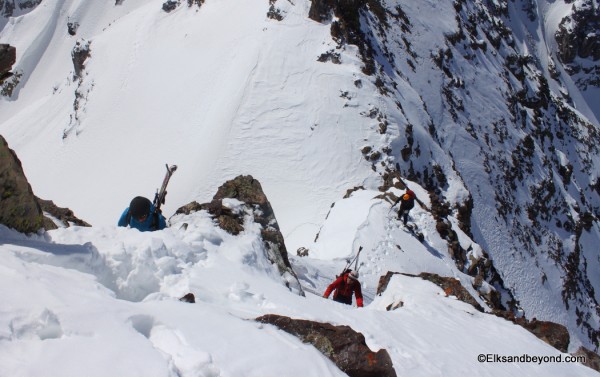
column 19, row 208
column 227, row 220
column 451, row 286
column 392, row 178
column 592, row 360
column 80, row 53
column 196, row 2
column 352, row 190
column 248, row 190
column 347, row 28
column 7, row 8
column 330, row 56
column 64, row 215
column 274, row 13
column 577, row 34
column 320, row 10
column 190, row 208
column 189, row 298
column 8, row 57
column 72, row 27
column 170, row 5
column 552, row 333
column 341, row 344
column 302, row 252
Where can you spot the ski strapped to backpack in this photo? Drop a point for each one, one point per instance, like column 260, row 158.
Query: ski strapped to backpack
column 349, row 263
column 159, row 198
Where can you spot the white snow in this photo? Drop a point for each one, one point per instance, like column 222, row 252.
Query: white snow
column 103, row 301
column 221, row 91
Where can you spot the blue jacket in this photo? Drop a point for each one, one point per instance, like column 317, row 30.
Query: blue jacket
column 146, row 225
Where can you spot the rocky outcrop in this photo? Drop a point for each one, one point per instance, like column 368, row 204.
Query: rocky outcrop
column 451, row 286
column 8, row 57
column 552, row 333
column 7, row 8
column 592, row 360
column 341, row 344
column 577, row 35
column 346, row 28
column 64, row 216
column 169, row 6
column 20, row 209
column 248, row 190
column 80, row 53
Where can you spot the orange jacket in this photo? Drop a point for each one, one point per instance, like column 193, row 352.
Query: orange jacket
column 346, row 287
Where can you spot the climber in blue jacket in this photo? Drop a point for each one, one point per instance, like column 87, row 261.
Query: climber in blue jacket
column 143, row 216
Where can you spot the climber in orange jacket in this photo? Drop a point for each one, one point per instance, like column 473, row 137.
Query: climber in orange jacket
column 343, row 287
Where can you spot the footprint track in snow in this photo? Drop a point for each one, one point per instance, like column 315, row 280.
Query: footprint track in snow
column 185, row 360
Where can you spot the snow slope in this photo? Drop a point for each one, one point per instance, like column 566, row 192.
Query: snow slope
column 103, row 301
column 222, row 90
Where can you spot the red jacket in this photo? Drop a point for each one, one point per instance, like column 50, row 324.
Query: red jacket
column 346, row 287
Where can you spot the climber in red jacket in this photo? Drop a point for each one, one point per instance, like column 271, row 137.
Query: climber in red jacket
column 343, row 287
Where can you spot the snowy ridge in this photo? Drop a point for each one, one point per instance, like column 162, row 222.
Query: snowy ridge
column 104, row 300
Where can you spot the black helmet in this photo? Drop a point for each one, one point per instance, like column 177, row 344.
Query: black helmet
column 139, row 207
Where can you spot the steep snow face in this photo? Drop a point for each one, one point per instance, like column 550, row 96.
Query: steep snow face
column 479, row 107
column 220, row 90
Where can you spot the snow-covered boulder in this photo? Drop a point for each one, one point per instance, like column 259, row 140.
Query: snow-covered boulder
column 249, row 204
column 341, row 344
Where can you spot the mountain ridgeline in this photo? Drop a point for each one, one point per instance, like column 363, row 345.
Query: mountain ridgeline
column 497, row 117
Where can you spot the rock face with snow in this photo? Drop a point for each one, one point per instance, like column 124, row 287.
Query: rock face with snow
column 451, row 287
column 20, row 209
column 552, row 333
column 248, row 190
column 64, row 216
column 10, row 8
column 8, row 56
column 341, row 344
column 81, row 52
column 592, row 359
column 577, row 35
column 525, row 167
